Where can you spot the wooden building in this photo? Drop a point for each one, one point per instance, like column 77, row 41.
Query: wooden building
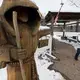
column 70, row 20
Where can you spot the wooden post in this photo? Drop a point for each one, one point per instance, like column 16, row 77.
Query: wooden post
column 77, row 25
column 52, row 39
column 18, row 43
column 64, row 30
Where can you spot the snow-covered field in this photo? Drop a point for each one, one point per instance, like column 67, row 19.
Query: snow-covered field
column 43, row 62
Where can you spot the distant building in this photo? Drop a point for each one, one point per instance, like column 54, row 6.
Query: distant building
column 70, row 19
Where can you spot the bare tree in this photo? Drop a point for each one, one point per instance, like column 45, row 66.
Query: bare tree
column 75, row 2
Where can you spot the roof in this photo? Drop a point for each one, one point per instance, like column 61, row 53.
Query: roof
column 63, row 16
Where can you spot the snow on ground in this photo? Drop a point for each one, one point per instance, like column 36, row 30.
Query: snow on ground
column 43, row 62
column 3, row 74
column 67, row 33
column 43, row 27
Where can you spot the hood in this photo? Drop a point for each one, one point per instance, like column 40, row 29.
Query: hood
column 8, row 4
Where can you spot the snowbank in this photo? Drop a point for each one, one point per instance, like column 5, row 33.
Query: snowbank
column 43, row 62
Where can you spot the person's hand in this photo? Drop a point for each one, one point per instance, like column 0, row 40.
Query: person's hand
column 22, row 53
column 18, row 53
column 2, row 64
